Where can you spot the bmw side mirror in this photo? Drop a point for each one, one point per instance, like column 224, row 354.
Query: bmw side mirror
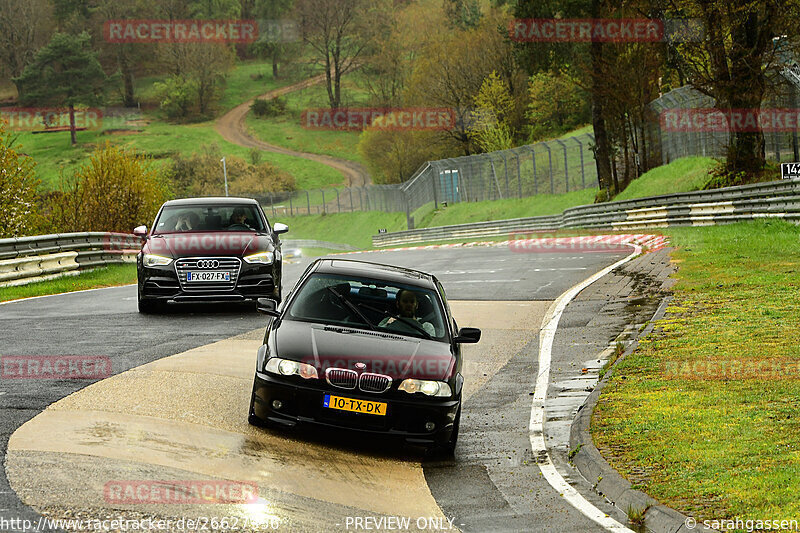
column 267, row 306
column 279, row 228
column 468, row 336
column 140, row 231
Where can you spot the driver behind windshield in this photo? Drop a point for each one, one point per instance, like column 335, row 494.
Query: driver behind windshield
column 239, row 218
column 407, row 305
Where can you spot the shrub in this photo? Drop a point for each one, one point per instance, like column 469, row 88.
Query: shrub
column 116, row 190
column 18, row 185
column 201, row 174
column 268, row 108
column 177, row 96
column 392, row 156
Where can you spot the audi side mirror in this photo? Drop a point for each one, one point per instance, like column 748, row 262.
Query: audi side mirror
column 140, row 231
column 279, row 228
column 267, row 306
column 468, row 336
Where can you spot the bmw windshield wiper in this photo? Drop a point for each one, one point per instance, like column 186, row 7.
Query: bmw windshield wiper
column 352, row 307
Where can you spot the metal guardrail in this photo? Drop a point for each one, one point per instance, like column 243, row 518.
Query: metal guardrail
column 28, row 259
column 780, row 199
column 310, row 243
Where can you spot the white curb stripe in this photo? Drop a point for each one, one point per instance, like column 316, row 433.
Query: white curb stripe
column 538, row 407
column 68, row 292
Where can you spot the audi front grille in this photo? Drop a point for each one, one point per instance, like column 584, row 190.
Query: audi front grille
column 232, row 265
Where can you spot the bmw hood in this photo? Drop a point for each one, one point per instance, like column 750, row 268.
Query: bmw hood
column 397, row 356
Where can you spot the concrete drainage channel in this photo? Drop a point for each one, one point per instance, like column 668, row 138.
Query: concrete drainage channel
column 607, row 482
column 575, row 392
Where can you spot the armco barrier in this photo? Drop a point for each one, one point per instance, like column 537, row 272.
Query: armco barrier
column 28, row 259
column 779, row 199
column 309, row 243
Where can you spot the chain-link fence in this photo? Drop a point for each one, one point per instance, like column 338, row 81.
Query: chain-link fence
column 387, row 198
column 779, row 145
column 551, row 167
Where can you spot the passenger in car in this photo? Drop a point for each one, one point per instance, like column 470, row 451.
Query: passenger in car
column 187, row 221
column 407, row 305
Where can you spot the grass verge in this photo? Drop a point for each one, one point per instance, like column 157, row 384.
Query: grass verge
column 287, row 130
column 543, row 204
column 109, row 276
column 682, row 175
column 703, row 416
column 347, row 228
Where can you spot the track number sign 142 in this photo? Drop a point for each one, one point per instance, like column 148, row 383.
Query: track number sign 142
column 790, row 170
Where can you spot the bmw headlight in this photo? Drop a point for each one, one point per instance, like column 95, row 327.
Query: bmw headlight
column 287, row 367
column 150, row 260
column 429, row 388
column 262, row 258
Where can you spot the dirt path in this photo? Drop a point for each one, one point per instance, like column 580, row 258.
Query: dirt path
column 233, row 129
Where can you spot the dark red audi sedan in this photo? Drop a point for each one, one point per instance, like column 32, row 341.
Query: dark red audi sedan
column 209, row 249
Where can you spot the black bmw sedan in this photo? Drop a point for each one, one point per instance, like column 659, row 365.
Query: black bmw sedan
column 208, row 249
column 363, row 346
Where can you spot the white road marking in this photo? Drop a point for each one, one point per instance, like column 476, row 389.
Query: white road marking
column 483, row 281
column 1, row 394
column 555, row 269
column 63, row 293
column 484, row 271
column 538, row 407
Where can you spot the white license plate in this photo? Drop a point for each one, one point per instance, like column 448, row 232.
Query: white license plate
column 208, row 276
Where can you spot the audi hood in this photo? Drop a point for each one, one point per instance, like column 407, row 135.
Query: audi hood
column 227, row 243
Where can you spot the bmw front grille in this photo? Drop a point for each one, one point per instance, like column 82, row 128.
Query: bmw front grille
column 349, row 379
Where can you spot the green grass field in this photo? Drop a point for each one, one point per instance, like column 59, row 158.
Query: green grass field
column 288, row 131
column 682, row 175
column 160, row 140
column 108, row 276
column 53, row 152
column 704, row 415
column 356, row 229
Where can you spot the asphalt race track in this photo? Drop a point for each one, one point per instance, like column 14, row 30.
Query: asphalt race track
column 175, row 409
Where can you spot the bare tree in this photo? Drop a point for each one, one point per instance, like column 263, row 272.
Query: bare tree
column 25, row 26
column 339, row 32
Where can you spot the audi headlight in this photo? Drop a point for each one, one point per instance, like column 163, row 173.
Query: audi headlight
column 287, row 367
column 429, row 388
column 263, row 258
column 150, row 260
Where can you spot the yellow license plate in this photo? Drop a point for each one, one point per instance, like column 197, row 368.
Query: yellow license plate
column 356, row 406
